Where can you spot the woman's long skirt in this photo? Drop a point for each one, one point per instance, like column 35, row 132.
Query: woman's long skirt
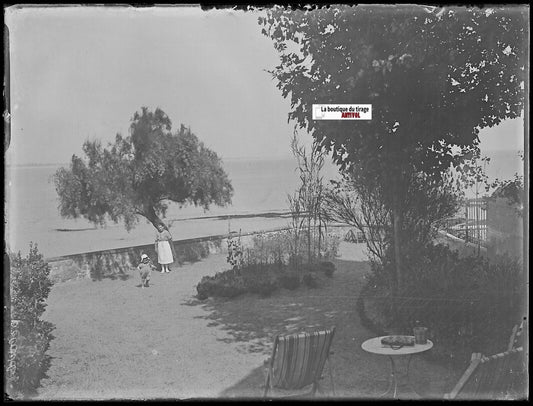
column 164, row 253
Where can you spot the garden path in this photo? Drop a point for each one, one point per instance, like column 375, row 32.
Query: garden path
column 114, row 340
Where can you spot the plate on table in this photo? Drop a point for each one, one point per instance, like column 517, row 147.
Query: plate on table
column 397, row 342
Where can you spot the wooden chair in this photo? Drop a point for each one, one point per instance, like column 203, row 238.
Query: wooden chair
column 298, row 361
column 517, row 335
column 499, row 376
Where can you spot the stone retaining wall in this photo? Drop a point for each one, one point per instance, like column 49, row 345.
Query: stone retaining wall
column 118, row 263
column 457, row 244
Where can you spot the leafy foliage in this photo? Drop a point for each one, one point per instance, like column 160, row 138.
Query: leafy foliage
column 328, row 268
column 468, row 303
column 29, row 335
column 140, row 174
column 256, row 278
column 510, row 189
column 310, row 281
column 359, row 202
column 30, row 286
column 279, row 247
column 433, row 79
column 266, row 266
column 270, row 248
column 223, row 284
column 235, row 252
column 307, row 211
column 289, row 281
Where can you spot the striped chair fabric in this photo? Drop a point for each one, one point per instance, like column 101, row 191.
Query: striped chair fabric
column 499, row 376
column 298, row 360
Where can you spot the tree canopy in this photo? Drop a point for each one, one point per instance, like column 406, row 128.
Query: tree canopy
column 141, row 174
column 434, row 78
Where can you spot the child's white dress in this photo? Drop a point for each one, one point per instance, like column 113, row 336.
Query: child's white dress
column 145, row 269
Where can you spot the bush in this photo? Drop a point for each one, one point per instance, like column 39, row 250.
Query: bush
column 260, row 278
column 281, row 247
column 235, row 252
column 328, row 268
column 270, row 248
column 312, row 267
column 254, row 278
column 324, row 266
column 289, row 281
column 469, row 304
column 203, row 289
column 262, row 269
column 223, row 284
column 331, row 246
column 263, row 287
column 310, row 281
column 296, row 261
column 29, row 336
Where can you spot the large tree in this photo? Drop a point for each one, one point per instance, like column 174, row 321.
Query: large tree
column 139, row 175
column 434, row 78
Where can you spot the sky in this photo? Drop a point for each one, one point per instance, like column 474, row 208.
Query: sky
column 81, row 73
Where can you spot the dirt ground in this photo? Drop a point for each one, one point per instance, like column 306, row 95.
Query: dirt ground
column 114, row 340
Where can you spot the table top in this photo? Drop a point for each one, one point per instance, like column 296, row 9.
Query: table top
column 374, row 346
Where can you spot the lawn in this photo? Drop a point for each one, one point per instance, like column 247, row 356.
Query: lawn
column 114, row 340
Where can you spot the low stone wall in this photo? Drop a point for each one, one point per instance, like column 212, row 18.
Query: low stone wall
column 457, row 244
column 118, row 263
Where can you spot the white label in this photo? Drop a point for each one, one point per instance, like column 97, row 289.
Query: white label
column 342, row 112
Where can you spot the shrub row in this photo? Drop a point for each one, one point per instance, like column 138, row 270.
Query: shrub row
column 282, row 247
column 262, row 279
column 326, row 267
column 259, row 279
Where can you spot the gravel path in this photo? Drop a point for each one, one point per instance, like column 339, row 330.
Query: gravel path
column 114, row 340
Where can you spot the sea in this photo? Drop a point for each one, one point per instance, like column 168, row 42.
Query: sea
column 260, row 203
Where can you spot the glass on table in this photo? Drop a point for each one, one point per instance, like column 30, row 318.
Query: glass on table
column 420, row 334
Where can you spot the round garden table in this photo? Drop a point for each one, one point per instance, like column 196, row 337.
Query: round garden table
column 374, row 346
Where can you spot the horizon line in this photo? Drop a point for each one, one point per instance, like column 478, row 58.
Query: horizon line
column 232, row 158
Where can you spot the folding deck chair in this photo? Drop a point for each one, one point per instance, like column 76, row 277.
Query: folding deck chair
column 298, row 361
column 499, row 376
column 517, row 335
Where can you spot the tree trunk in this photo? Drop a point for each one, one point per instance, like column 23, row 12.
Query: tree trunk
column 149, row 213
column 397, row 277
column 397, row 253
column 308, row 238
column 319, row 236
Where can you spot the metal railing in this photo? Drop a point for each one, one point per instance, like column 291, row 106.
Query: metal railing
column 470, row 224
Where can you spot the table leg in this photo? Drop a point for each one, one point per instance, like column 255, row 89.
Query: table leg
column 393, row 383
column 394, row 378
column 393, row 388
column 409, row 378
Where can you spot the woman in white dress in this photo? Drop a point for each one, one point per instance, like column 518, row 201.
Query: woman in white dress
column 163, row 248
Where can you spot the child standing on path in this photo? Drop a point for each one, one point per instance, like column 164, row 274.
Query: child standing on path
column 145, row 270
column 163, row 248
